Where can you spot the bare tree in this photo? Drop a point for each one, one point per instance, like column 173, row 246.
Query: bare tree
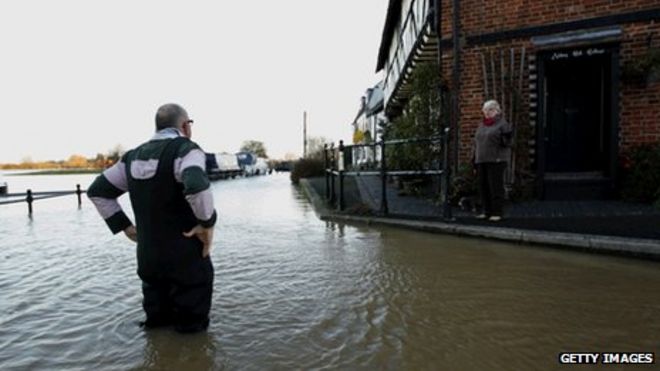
column 315, row 146
column 115, row 153
column 255, row 147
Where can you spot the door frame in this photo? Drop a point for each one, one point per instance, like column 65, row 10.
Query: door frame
column 545, row 56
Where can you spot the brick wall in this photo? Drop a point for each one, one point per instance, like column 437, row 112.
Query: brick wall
column 639, row 104
column 483, row 16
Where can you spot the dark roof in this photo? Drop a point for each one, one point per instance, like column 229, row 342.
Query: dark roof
column 391, row 20
column 357, row 116
column 374, row 99
column 372, row 102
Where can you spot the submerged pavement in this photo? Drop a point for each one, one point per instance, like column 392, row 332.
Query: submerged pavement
column 598, row 226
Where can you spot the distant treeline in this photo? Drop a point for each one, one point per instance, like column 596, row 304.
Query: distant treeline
column 101, row 161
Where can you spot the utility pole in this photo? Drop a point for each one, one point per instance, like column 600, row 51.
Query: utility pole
column 304, row 134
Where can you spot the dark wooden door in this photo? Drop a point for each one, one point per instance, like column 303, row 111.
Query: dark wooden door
column 577, row 126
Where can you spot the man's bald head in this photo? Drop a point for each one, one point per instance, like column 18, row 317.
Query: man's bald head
column 170, row 115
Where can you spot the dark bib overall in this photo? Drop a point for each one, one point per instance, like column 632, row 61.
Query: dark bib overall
column 177, row 282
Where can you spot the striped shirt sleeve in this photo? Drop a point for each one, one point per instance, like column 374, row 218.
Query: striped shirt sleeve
column 103, row 193
column 190, row 169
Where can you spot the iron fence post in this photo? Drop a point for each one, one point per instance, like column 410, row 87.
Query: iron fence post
column 446, row 175
column 340, row 169
column 79, row 192
column 29, row 200
column 325, row 171
column 333, row 195
column 383, row 177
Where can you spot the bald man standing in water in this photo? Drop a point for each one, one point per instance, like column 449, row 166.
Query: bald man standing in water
column 174, row 213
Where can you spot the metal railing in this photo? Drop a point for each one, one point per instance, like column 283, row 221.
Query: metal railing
column 29, row 197
column 335, row 169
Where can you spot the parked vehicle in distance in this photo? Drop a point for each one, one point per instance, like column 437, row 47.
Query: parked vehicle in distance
column 4, row 188
column 226, row 165
column 261, row 166
column 247, row 162
column 284, row 166
column 222, row 166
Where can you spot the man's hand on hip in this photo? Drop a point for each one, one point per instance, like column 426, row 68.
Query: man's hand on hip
column 205, row 235
column 131, row 233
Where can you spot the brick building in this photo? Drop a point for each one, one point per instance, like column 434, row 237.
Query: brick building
column 579, row 79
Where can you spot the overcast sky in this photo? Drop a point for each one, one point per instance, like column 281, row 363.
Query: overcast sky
column 81, row 76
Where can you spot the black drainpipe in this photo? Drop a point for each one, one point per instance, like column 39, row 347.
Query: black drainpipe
column 456, row 81
column 444, row 158
column 451, row 131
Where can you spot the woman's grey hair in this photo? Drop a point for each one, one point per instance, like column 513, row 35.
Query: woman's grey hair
column 169, row 116
column 492, row 104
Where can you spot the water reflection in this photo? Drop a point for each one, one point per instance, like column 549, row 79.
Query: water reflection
column 294, row 292
column 162, row 351
column 338, row 228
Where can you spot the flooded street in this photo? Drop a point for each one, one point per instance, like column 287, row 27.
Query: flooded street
column 294, row 292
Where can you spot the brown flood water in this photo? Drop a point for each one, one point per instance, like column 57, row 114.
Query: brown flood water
column 293, row 292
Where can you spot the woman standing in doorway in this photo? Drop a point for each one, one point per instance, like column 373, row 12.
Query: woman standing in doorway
column 492, row 151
